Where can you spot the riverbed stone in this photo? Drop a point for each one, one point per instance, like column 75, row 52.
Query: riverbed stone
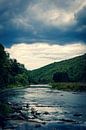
column 46, row 113
column 37, row 125
column 77, row 114
column 68, row 120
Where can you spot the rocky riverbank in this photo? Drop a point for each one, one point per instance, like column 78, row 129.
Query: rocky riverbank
column 16, row 114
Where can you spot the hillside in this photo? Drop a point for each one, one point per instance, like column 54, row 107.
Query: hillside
column 75, row 67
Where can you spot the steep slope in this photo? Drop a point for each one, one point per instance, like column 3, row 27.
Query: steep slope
column 75, row 67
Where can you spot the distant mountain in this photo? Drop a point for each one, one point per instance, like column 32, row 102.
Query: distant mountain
column 75, row 67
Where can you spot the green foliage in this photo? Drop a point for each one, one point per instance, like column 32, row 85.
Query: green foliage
column 60, row 77
column 11, row 72
column 5, row 109
column 4, row 67
column 74, row 86
column 22, row 79
column 75, row 68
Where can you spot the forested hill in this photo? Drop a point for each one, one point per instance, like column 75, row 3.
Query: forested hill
column 75, row 67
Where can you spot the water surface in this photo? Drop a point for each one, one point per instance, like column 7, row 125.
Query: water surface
column 59, row 109
column 53, row 105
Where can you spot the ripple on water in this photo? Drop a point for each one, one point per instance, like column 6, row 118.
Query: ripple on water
column 58, row 104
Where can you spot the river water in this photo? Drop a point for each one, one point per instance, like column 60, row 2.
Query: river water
column 52, row 105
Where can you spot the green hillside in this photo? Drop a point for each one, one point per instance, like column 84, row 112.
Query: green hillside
column 75, row 67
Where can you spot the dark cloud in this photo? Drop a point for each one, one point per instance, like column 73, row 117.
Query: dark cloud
column 80, row 27
column 19, row 23
column 81, row 16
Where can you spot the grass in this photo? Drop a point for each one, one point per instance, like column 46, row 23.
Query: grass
column 69, row 86
column 5, row 109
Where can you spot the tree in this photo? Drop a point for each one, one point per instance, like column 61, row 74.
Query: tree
column 11, row 72
column 60, row 77
column 4, row 66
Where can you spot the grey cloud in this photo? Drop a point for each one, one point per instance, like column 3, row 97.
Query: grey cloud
column 19, row 23
column 81, row 16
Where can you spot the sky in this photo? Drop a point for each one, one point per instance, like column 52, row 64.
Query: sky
column 40, row 32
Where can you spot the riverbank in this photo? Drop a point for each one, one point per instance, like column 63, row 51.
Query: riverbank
column 13, row 87
column 69, row 86
column 14, row 114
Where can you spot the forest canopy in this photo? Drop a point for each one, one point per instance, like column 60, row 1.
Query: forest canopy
column 11, row 72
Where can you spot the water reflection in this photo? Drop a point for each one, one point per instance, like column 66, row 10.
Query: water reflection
column 52, row 104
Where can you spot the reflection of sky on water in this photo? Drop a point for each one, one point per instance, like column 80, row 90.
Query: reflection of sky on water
column 59, row 104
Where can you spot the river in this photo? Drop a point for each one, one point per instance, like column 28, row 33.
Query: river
column 53, row 106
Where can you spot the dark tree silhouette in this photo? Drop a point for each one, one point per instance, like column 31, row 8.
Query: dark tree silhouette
column 60, row 77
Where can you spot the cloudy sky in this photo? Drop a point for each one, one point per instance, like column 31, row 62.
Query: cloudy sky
column 39, row 32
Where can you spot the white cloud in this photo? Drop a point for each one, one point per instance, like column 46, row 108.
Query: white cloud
column 77, row 5
column 51, row 16
column 58, row 13
column 39, row 54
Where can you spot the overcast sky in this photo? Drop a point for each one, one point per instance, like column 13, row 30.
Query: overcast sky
column 39, row 32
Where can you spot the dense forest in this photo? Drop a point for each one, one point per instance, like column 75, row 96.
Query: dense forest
column 75, row 68
column 12, row 73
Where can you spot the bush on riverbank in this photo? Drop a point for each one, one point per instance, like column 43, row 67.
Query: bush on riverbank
column 5, row 109
column 74, row 86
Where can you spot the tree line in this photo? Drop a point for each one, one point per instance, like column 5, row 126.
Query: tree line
column 11, row 72
column 71, row 70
